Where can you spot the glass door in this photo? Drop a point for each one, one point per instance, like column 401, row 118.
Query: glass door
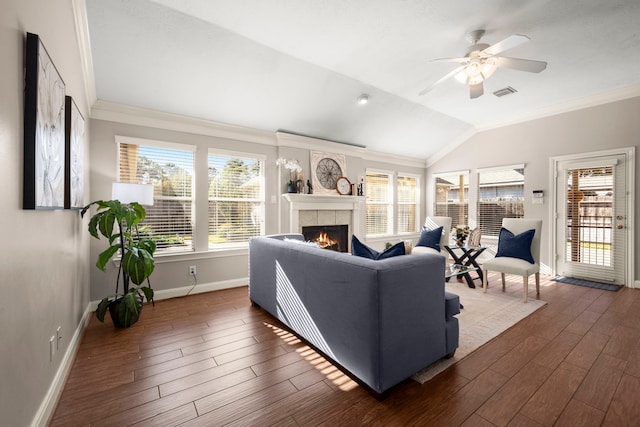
column 590, row 222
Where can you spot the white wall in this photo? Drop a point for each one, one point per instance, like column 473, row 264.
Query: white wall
column 44, row 264
column 614, row 125
column 215, row 269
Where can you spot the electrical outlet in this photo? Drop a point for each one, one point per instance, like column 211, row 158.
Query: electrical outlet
column 192, row 270
column 58, row 337
column 52, row 347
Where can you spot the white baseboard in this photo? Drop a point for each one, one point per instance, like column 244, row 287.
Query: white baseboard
column 198, row 289
column 184, row 290
column 48, row 405
column 636, row 284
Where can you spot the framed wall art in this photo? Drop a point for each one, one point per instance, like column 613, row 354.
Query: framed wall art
column 74, row 156
column 326, row 168
column 44, row 131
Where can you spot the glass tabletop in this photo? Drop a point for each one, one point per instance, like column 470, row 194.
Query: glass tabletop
column 458, row 270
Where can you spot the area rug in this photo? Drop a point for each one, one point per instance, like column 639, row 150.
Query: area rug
column 588, row 283
column 484, row 317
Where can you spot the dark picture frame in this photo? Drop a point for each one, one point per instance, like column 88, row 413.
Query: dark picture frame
column 74, row 156
column 44, row 129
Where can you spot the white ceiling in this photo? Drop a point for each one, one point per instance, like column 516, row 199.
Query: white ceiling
column 299, row 65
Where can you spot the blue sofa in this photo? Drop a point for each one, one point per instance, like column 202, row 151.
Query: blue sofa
column 379, row 321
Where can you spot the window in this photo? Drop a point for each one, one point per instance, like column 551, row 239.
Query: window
column 407, row 203
column 501, row 195
column 169, row 167
column 387, row 214
column 379, row 203
column 452, row 197
column 236, row 199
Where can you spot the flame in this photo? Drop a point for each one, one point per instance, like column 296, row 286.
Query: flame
column 324, row 241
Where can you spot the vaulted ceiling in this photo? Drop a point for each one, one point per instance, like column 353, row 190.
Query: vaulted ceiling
column 300, row 65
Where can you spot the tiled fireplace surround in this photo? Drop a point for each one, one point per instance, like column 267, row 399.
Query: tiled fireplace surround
column 311, row 209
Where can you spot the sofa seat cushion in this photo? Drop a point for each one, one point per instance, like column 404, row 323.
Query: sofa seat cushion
column 451, row 304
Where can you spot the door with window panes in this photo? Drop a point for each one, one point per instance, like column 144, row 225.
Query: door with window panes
column 591, row 218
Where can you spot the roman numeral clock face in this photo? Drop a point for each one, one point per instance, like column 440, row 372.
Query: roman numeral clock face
column 328, row 172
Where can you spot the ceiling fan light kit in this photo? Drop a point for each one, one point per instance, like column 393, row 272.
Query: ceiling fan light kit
column 481, row 61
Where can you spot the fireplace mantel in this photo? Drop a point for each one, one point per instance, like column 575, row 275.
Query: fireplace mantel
column 303, row 202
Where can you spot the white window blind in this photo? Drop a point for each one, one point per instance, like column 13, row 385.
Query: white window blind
column 501, row 195
column 379, row 204
column 407, row 187
column 452, row 197
column 170, row 170
column 236, row 199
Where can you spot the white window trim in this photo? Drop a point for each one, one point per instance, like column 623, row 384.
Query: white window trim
column 418, row 203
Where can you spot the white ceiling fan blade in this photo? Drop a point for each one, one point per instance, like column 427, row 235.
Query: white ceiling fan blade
column 528, row 65
column 460, row 60
column 506, row 44
column 447, row 76
column 476, row 90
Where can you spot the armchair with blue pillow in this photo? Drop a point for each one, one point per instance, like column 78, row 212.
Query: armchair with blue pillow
column 518, row 253
column 434, row 236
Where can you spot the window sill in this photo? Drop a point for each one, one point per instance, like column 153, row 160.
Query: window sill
column 212, row 253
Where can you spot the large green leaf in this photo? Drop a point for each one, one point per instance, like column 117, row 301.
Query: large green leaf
column 106, row 221
column 130, row 307
column 134, row 266
column 102, row 308
column 106, row 255
column 148, row 293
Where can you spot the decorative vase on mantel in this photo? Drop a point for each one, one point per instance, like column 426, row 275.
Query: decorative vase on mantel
column 292, row 187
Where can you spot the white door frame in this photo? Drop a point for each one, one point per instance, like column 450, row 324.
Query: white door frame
column 630, row 213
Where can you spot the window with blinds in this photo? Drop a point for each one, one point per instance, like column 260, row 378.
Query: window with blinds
column 236, row 199
column 170, row 170
column 501, row 195
column 452, row 197
column 407, row 208
column 379, row 204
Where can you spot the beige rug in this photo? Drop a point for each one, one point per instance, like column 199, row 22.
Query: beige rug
column 485, row 316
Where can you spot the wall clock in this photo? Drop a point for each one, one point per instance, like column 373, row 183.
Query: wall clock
column 326, row 168
column 343, row 186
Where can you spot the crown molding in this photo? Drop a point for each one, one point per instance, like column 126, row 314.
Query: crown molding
column 84, row 48
column 607, row 97
column 110, row 111
column 286, row 139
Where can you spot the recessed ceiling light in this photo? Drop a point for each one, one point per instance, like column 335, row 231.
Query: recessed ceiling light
column 363, row 99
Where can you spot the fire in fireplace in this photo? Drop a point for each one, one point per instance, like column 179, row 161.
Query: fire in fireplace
column 333, row 237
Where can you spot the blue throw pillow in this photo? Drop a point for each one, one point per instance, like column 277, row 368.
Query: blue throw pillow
column 360, row 249
column 510, row 245
column 430, row 238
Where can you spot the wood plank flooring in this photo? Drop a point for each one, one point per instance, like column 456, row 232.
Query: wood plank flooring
column 212, row 359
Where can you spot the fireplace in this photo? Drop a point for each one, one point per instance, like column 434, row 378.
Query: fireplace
column 333, row 237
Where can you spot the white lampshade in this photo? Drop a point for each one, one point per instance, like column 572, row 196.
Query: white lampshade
column 126, row 193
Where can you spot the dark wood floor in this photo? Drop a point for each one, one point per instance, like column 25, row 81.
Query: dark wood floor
column 211, row 359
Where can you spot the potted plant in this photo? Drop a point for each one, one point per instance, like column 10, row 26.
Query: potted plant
column 295, row 171
column 136, row 263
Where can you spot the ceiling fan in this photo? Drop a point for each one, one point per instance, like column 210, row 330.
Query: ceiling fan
column 481, row 61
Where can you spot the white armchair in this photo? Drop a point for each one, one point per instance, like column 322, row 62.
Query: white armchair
column 515, row 265
column 433, row 222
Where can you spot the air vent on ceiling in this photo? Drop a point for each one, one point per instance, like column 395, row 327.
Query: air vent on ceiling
column 506, row 91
